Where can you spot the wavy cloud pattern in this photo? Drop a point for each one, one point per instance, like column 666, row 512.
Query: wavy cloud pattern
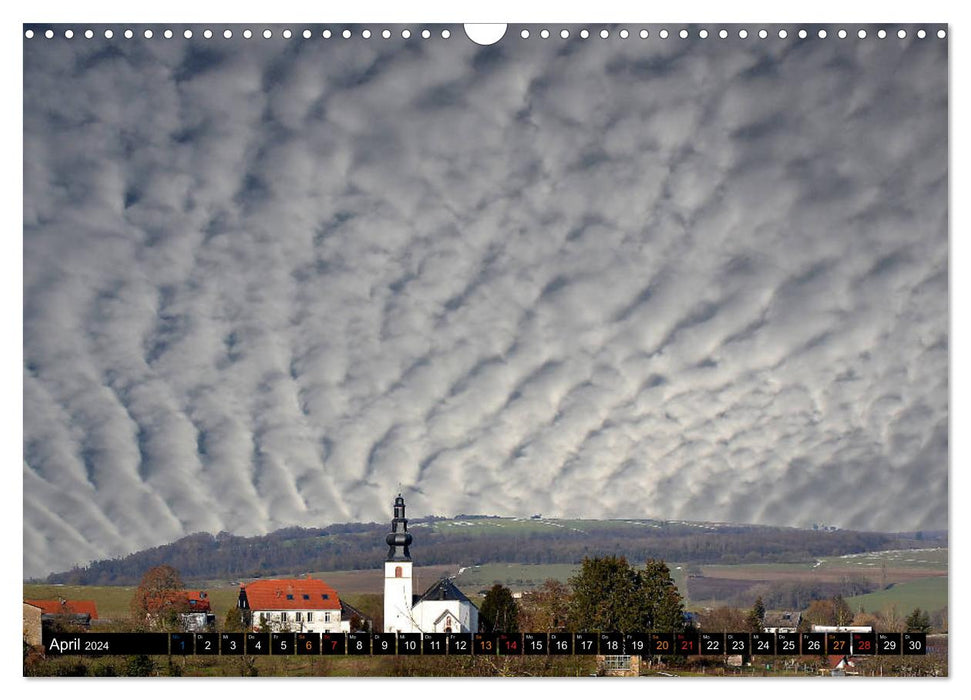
column 266, row 282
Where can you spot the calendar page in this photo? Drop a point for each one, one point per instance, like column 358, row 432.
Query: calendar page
column 438, row 350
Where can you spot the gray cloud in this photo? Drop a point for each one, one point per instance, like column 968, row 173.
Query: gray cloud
column 265, row 282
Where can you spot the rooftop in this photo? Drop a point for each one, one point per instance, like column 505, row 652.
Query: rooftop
column 291, row 594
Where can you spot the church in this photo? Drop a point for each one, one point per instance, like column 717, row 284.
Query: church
column 442, row 608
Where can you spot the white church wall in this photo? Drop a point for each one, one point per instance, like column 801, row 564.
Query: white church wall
column 397, row 597
column 428, row 611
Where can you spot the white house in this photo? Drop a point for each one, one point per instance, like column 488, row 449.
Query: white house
column 200, row 616
column 292, row 605
column 442, row 608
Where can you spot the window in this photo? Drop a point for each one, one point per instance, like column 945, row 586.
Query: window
column 397, row 572
column 306, row 596
column 262, row 617
column 298, row 616
column 326, row 617
column 289, row 596
column 325, row 596
column 310, row 617
column 617, row 663
column 283, row 617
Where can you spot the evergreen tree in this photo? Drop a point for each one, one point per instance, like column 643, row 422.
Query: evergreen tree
column 755, row 619
column 665, row 605
column 608, row 596
column 499, row 612
column 233, row 622
column 918, row 621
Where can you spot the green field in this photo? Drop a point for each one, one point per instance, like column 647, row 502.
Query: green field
column 925, row 593
column 518, row 577
column 869, row 563
column 113, row 602
column 935, row 559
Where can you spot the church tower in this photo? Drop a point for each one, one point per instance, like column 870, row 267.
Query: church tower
column 397, row 574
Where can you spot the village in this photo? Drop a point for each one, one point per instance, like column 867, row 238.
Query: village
column 725, row 641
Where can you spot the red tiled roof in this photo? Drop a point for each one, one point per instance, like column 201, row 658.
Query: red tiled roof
column 198, row 601
column 835, row 660
column 291, row 594
column 68, row 607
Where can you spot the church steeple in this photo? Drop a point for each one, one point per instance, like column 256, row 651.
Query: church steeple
column 399, row 538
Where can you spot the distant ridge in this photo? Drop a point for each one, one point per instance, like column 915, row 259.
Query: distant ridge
column 481, row 539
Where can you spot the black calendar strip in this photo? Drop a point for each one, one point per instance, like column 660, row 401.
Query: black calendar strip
column 487, row 644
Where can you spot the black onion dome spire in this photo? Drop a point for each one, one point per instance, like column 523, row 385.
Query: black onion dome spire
column 399, row 538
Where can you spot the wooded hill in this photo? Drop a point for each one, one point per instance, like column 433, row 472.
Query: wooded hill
column 469, row 540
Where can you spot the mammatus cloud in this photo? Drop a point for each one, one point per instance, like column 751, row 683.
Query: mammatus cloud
column 267, row 282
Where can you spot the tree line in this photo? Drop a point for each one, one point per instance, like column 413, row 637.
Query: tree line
column 607, row 594
column 203, row 556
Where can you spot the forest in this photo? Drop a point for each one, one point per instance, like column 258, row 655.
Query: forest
column 349, row 546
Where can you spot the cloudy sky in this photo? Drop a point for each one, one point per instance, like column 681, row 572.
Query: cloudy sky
column 273, row 282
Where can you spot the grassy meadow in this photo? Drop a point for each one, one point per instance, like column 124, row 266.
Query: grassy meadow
column 925, row 593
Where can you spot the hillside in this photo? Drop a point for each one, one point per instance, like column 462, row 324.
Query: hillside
column 476, row 540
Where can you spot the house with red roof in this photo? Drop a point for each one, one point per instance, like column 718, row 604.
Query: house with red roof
column 84, row 608
column 839, row 665
column 199, row 617
column 292, row 605
column 60, row 612
column 198, row 601
column 192, row 607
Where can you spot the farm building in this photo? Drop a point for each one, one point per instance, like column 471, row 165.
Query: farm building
column 294, row 605
column 191, row 607
column 78, row 613
column 32, row 624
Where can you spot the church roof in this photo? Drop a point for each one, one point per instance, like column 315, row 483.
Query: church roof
column 444, row 589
